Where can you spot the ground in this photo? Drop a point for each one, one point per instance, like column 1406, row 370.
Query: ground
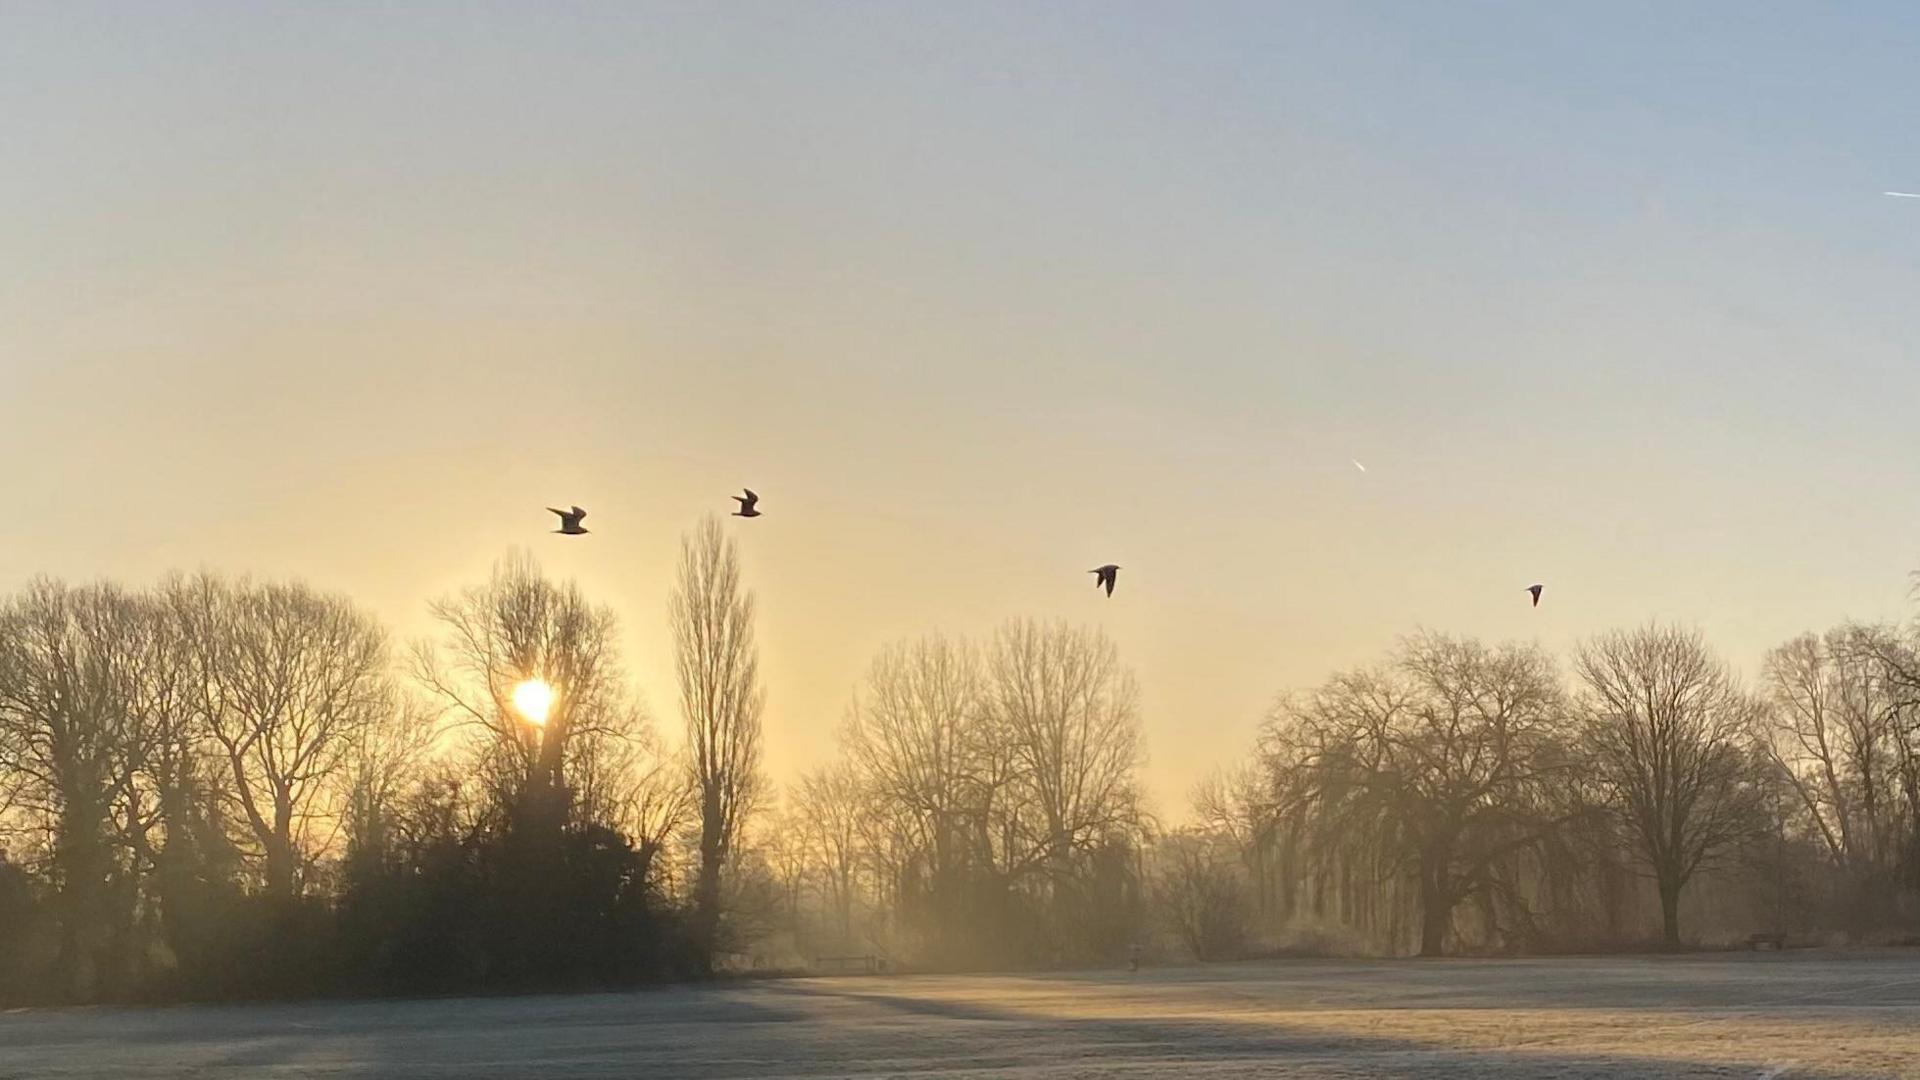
column 1765, row 1015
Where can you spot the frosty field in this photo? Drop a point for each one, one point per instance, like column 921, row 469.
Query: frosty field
column 1797, row 1014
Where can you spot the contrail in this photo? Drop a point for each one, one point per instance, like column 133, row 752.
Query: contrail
column 1903, row 194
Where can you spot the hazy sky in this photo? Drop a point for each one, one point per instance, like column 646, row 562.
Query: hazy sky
column 978, row 297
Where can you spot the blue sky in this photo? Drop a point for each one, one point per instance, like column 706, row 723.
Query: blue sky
column 979, row 296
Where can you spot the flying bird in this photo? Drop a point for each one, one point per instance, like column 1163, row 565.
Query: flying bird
column 1357, row 465
column 1535, row 590
column 570, row 521
column 747, row 503
column 1107, row 574
column 1903, row 194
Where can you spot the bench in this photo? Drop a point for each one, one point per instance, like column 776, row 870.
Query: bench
column 1778, row 941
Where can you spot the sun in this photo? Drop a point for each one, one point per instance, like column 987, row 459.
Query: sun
column 533, row 698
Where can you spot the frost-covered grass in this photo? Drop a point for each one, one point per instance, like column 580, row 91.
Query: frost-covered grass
column 1795, row 1014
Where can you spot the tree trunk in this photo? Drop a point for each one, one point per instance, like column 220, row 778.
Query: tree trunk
column 1436, row 913
column 83, row 882
column 706, row 895
column 706, row 914
column 282, row 883
column 1670, row 912
column 543, row 807
column 82, row 862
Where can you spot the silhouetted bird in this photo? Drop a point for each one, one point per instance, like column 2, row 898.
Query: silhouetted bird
column 570, row 521
column 747, row 503
column 1535, row 590
column 1106, row 575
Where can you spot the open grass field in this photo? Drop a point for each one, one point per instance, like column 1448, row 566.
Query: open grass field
column 1795, row 1014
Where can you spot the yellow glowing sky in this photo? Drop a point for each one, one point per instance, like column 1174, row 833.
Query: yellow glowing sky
column 978, row 298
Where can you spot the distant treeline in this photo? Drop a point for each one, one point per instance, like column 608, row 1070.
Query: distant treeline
column 1457, row 797
column 221, row 787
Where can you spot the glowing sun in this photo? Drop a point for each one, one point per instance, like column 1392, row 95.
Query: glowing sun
column 533, row 698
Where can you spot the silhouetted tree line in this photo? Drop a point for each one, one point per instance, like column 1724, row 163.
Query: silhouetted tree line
column 225, row 787
column 984, row 812
column 1458, row 798
column 221, row 787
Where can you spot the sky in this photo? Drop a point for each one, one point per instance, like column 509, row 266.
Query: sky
column 977, row 297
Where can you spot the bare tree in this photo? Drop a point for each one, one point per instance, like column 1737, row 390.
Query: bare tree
column 625, row 778
column 1439, row 757
column 1666, row 724
column 386, row 757
column 1200, row 894
column 516, row 628
column 1232, row 802
column 1883, row 669
column 721, row 700
column 288, row 679
column 1833, row 732
column 1238, row 805
column 782, row 845
column 830, row 810
column 917, row 734
column 660, row 805
column 66, row 735
column 171, row 801
column 1069, row 712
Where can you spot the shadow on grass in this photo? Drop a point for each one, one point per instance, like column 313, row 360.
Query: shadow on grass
column 899, row 1028
column 1169, row 1045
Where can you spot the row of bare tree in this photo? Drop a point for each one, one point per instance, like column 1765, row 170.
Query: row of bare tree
column 145, row 737
column 224, row 786
column 1465, row 795
column 196, row 775
column 984, row 810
